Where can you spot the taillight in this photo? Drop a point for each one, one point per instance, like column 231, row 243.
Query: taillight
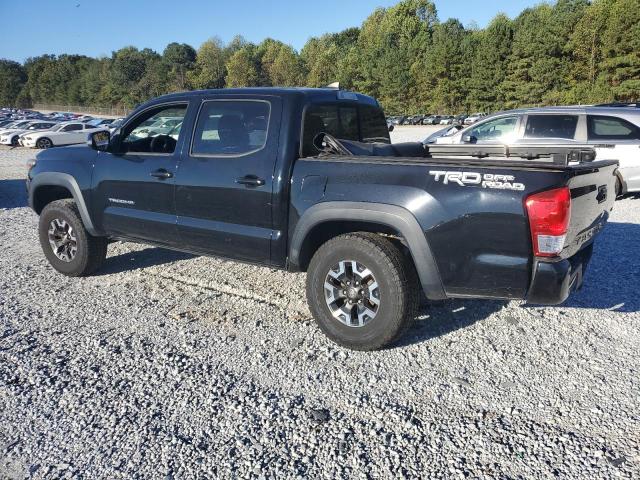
column 549, row 215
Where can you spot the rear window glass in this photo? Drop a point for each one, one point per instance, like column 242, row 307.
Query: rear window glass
column 551, row 126
column 611, row 128
column 363, row 123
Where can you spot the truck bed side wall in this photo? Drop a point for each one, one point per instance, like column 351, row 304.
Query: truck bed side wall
column 479, row 237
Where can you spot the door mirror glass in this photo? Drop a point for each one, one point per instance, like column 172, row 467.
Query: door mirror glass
column 469, row 139
column 99, row 140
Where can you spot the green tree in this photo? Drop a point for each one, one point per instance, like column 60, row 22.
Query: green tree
column 12, row 78
column 489, row 65
column 280, row 65
column 621, row 46
column 209, row 70
column 180, row 58
column 324, row 56
column 243, row 68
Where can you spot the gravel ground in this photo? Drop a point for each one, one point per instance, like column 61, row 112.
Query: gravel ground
column 165, row 365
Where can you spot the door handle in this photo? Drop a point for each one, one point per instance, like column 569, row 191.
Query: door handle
column 250, row 181
column 162, row 174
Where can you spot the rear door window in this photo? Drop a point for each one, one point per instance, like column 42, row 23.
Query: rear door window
column 611, row 128
column 231, row 127
column 551, row 126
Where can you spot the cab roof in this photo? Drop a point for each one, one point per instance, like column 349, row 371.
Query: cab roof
column 319, row 95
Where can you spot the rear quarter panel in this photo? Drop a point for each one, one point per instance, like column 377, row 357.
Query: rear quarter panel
column 479, row 236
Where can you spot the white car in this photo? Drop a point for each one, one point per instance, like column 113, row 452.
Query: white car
column 12, row 136
column 67, row 133
column 18, row 124
column 474, row 118
column 614, row 133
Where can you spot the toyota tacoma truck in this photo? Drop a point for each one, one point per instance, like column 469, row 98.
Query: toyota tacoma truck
column 308, row 180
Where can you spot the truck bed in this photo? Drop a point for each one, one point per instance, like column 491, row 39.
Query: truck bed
column 478, row 232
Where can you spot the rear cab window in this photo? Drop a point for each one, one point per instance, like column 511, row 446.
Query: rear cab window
column 600, row 127
column 348, row 121
column 551, row 126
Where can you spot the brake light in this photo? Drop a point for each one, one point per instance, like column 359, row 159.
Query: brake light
column 549, row 214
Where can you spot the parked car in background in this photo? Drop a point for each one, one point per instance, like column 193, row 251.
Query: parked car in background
column 459, row 119
column 446, row 120
column 15, row 125
column 12, row 137
column 100, row 122
column 474, row 118
column 614, row 133
column 115, row 124
column 432, row 120
column 67, row 133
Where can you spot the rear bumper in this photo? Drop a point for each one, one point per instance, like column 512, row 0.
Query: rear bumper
column 553, row 282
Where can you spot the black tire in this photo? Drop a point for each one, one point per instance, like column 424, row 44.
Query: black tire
column 618, row 188
column 90, row 251
column 44, row 143
column 14, row 141
column 399, row 292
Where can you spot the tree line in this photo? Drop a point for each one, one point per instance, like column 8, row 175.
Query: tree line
column 569, row 52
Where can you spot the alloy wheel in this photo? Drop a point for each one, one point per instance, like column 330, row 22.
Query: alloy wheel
column 352, row 293
column 62, row 240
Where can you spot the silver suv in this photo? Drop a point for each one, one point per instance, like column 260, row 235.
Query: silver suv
column 613, row 131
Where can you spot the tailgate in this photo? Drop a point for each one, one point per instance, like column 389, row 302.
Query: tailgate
column 592, row 187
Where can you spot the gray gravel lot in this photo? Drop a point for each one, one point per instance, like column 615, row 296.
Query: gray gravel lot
column 165, row 365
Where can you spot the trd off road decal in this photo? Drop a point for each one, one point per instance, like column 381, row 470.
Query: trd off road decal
column 471, row 179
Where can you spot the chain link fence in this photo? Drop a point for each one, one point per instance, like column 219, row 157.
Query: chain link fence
column 114, row 112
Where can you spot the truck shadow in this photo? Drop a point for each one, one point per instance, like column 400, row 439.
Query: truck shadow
column 613, row 276
column 13, row 193
column 436, row 319
column 610, row 283
column 147, row 257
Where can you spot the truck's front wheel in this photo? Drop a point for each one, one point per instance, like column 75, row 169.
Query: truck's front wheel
column 362, row 291
column 68, row 246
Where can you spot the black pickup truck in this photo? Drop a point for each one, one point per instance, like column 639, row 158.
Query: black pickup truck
column 307, row 180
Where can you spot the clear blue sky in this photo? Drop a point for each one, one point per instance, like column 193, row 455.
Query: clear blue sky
column 96, row 28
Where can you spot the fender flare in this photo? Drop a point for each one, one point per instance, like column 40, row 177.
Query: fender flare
column 67, row 181
column 393, row 216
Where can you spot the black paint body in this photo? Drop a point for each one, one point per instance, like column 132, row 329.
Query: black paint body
column 476, row 240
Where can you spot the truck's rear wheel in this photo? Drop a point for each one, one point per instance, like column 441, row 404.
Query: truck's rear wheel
column 362, row 291
column 68, row 246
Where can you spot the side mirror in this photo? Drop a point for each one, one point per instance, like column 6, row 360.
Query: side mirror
column 391, row 127
column 99, row 140
column 469, row 139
